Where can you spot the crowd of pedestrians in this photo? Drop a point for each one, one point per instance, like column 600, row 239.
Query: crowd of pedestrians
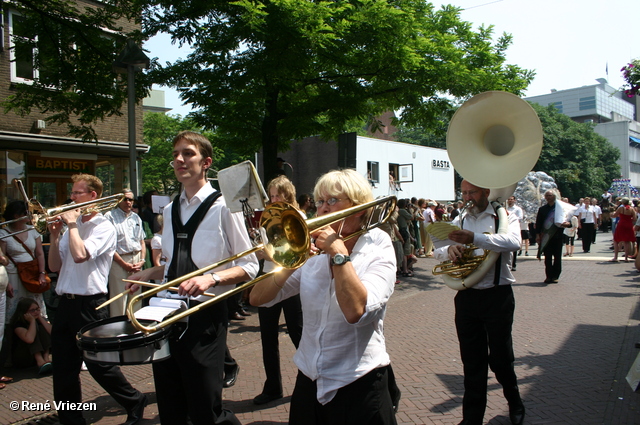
column 342, row 292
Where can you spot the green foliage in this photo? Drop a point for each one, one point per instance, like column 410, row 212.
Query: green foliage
column 73, row 49
column 631, row 73
column 159, row 131
column 263, row 73
column 582, row 162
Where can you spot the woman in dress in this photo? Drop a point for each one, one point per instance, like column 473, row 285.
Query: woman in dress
column 624, row 229
column 16, row 253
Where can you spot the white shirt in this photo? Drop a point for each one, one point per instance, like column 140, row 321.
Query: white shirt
column 517, row 211
column 333, row 352
column 587, row 213
column 505, row 243
column 128, row 229
column 220, row 235
column 89, row 277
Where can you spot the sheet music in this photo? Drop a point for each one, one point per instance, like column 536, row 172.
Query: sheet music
column 159, row 308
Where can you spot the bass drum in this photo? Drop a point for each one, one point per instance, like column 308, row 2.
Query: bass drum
column 116, row 341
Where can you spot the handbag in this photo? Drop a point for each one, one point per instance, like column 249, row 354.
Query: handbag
column 29, row 272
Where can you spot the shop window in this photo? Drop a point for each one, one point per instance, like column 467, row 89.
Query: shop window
column 12, row 166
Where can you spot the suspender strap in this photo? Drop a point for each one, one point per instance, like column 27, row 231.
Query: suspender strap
column 181, row 262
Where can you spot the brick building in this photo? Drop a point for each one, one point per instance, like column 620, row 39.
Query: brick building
column 44, row 156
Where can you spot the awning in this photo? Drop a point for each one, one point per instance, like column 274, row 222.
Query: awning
column 634, row 141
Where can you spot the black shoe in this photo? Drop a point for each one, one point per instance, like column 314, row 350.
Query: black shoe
column 231, row 377
column 513, row 269
column 516, row 414
column 548, row 281
column 236, row 316
column 265, row 398
column 134, row 415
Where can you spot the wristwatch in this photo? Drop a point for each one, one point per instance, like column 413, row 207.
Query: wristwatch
column 216, row 279
column 340, row 260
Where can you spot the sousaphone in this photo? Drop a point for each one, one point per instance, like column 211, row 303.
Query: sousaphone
column 493, row 141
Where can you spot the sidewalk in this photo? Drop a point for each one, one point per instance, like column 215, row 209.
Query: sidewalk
column 574, row 344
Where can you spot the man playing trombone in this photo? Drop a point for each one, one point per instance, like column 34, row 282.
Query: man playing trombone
column 199, row 230
column 344, row 369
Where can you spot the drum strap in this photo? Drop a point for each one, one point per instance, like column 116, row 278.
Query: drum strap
column 181, row 262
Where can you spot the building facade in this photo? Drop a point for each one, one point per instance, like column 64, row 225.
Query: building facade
column 43, row 156
column 392, row 168
column 614, row 114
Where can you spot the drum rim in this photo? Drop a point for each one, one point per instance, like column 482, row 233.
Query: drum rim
column 117, row 343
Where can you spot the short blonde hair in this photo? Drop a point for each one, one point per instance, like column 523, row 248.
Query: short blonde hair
column 348, row 182
column 94, row 184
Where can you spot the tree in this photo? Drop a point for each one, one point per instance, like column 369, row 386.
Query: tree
column 582, row 162
column 263, row 73
column 72, row 47
column 631, row 73
column 159, row 131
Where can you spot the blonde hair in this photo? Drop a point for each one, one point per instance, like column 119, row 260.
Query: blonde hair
column 285, row 189
column 94, row 184
column 346, row 182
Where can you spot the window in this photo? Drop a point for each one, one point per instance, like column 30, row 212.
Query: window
column 373, row 172
column 587, row 103
column 634, row 167
column 21, row 55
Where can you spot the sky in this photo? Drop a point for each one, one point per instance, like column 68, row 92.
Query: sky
column 568, row 43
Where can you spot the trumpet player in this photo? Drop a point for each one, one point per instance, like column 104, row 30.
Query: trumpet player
column 344, row 374
column 484, row 313
column 82, row 257
column 199, row 230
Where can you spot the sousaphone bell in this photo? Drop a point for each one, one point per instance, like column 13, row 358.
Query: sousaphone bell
column 493, row 141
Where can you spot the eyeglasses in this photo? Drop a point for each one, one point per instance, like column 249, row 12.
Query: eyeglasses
column 33, row 310
column 128, row 199
column 331, row 202
column 77, row 193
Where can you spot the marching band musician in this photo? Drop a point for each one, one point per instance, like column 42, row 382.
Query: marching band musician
column 82, row 257
column 344, row 372
column 199, row 230
column 484, row 313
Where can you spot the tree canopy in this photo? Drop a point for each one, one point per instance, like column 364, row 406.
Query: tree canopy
column 159, row 131
column 262, row 73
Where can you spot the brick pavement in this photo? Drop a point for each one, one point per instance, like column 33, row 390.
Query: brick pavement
column 574, row 344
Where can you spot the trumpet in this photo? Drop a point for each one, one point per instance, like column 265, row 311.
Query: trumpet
column 286, row 241
column 40, row 217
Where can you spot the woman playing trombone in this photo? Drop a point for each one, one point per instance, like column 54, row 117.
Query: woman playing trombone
column 344, row 369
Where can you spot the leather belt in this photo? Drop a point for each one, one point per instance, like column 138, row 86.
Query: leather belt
column 75, row 296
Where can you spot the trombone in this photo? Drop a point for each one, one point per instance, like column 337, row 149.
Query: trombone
column 286, row 241
column 39, row 217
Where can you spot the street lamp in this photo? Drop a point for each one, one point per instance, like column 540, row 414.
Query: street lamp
column 130, row 60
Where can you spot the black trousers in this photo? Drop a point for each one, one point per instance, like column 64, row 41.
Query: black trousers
column 189, row 383
column 269, row 330
column 71, row 316
column 483, row 322
column 588, row 230
column 366, row 401
column 553, row 256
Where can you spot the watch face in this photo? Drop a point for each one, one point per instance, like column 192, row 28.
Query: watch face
column 340, row 259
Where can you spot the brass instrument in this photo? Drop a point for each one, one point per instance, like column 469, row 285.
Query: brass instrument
column 39, row 217
column 494, row 139
column 286, row 239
